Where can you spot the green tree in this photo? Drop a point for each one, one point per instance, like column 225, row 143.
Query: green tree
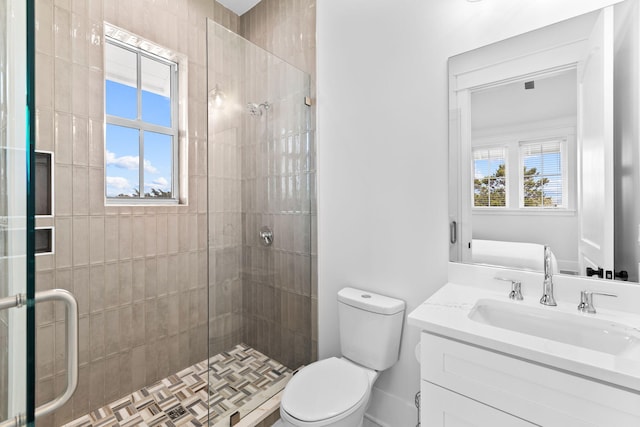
column 534, row 189
column 136, row 193
column 155, row 193
column 491, row 190
column 158, row 194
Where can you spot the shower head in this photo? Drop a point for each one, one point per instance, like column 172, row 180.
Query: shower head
column 256, row 110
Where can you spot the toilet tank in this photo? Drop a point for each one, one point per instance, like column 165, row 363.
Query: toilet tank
column 370, row 327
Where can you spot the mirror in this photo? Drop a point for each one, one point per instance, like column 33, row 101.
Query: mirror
column 544, row 148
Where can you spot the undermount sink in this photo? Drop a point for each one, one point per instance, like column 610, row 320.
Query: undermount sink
column 575, row 329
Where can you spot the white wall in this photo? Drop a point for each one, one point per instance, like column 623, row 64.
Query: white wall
column 382, row 152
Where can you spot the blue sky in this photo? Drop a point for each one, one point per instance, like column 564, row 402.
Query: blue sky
column 122, row 143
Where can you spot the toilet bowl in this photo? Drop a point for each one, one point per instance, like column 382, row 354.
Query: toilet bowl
column 335, row 391
column 338, row 397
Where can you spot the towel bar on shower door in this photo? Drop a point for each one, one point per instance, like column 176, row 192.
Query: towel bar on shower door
column 71, row 318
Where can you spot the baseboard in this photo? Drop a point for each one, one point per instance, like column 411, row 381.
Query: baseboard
column 388, row 410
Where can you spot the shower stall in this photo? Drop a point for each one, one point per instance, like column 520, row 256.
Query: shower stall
column 197, row 311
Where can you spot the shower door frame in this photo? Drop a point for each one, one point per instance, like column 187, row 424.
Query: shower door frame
column 18, row 182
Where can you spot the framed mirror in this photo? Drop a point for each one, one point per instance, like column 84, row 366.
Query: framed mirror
column 544, row 148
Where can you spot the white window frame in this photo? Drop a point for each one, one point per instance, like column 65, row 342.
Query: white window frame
column 511, row 139
column 178, row 130
column 564, row 173
column 505, row 156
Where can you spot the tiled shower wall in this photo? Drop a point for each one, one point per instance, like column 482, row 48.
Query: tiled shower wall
column 139, row 273
column 265, row 297
column 276, row 192
column 258, row 176
column 225, row 66
column 287, row 29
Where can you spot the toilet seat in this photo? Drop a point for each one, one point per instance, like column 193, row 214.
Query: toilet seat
column 330, row 388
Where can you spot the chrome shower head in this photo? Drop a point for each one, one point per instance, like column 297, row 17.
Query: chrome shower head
column 256, row 110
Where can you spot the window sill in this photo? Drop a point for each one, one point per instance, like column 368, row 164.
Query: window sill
column 141, row 202
column 524, row 211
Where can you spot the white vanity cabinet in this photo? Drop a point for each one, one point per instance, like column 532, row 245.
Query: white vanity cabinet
column 442, row 407
column 467, row 385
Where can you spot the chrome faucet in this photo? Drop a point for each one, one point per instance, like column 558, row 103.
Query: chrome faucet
column 586, row 301
column 547, row 285
column 516, row 288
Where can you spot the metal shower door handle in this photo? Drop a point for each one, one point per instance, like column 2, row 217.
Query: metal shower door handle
column 71, row 317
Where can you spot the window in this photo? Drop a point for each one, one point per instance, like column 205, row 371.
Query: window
column 489, row 177
column 543, row 177
column 141, row 145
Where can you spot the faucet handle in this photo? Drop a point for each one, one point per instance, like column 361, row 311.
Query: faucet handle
column 516, row 288
column 586, row 301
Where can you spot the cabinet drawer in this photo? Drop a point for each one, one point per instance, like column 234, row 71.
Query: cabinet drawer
column 540, row 394
column 443, row 408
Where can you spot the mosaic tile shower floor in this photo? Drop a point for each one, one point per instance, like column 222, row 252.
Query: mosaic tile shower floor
column 237, row 380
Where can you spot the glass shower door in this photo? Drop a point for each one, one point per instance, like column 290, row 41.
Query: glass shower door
column 259, row 212
column 13, row 215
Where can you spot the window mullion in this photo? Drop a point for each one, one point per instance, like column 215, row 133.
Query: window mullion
column 141, row 132
column 141, row 164
column 174, row 126
column 138, row 124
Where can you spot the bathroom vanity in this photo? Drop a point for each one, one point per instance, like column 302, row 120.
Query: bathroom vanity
column 488, row 360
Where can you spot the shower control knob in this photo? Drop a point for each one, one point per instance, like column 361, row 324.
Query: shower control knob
column 266, row 236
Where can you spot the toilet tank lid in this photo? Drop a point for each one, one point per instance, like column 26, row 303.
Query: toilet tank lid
column 369, row 301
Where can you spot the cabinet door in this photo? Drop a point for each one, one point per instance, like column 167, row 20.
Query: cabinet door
column 443, row 408
column 544, row 396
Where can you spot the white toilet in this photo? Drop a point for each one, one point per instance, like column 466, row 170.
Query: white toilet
column 335, row 391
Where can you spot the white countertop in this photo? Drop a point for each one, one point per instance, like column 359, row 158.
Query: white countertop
column 446, row 313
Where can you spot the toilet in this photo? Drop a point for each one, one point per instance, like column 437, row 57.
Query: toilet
column 335, row 391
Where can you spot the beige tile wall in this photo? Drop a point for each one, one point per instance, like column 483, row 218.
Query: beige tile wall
column 139, row 273
column 225, row 65
column 273, row 173
column 286, row 28
column 275, row 176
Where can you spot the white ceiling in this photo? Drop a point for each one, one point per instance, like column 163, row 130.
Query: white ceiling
column 239, row 7
column 512, row 105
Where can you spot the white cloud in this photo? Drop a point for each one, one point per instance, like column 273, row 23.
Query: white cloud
column 162, row 182
column 149, row 167
column 118, row 182
column 124, row 162
column 129, row 162
column 117, row 185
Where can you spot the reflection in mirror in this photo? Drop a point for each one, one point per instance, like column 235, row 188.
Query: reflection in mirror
column 524, row 170
column 537, row 153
